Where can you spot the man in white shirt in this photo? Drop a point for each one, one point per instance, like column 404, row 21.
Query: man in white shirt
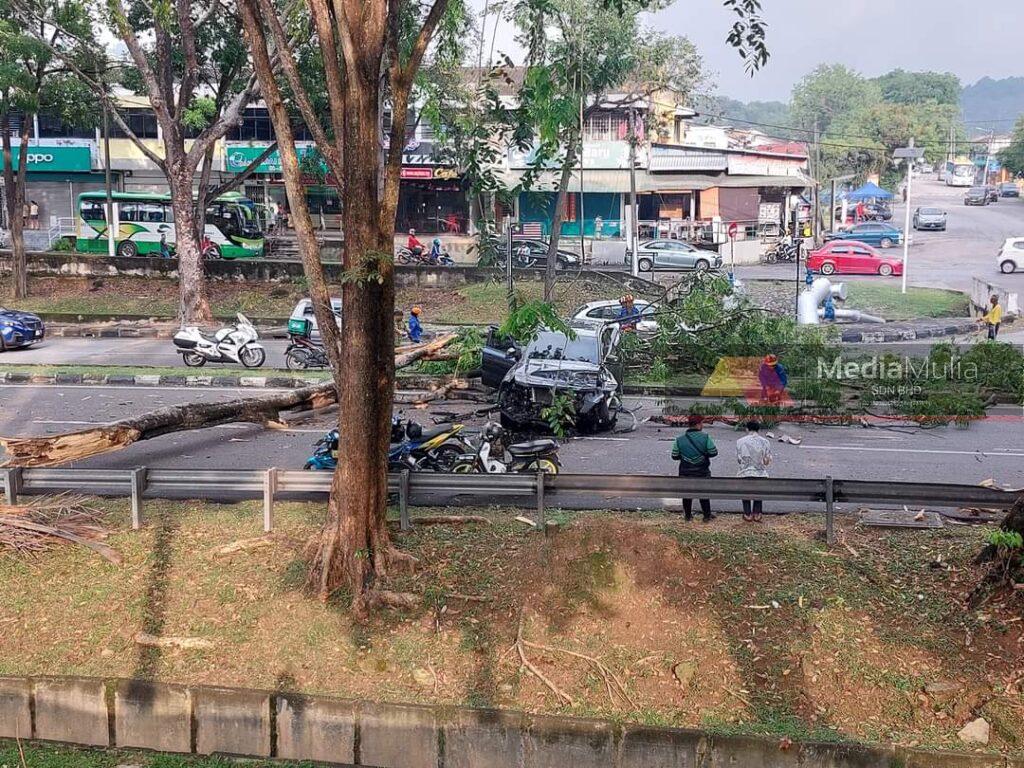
column 753, row 454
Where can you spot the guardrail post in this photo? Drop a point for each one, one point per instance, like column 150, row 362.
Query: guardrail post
column 138, row 486
column 540, row 502
column 269, row 489
column 830, row 511
column 403, row 500
column 12, row 484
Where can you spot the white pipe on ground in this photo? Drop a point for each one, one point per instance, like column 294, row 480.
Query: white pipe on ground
column 813, row 295
column 853, row 316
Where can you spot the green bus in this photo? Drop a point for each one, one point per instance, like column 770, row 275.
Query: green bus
column 232, row 227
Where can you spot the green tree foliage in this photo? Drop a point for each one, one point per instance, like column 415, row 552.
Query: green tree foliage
column 902, row 87
column 1012, row 157
column 828, row 93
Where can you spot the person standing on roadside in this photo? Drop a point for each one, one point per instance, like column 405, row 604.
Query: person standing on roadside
column 694, row 450
column 993, row 317
column 753, row 454
column 33, row 214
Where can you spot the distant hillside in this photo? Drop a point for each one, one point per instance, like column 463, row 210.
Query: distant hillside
column 743, row 114
column 988, row 100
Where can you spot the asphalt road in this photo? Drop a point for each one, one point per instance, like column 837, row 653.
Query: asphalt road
column 947, row 259
column 993, row 448
column 127, row 352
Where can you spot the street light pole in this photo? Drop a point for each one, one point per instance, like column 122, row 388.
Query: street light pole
column 909, row 153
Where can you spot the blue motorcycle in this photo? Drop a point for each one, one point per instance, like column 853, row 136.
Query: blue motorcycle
column 412, row 448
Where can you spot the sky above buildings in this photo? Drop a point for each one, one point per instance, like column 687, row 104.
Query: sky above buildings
column 969, row 38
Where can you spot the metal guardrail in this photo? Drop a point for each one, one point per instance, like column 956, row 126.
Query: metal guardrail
column 269, row 484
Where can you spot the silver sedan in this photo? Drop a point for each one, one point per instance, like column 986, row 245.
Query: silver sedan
column 674, row 255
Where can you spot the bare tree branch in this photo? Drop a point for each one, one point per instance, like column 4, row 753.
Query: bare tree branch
column 240, row 178
column 291, row 70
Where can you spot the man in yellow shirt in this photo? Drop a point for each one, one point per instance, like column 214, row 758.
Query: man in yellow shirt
column 992, row 318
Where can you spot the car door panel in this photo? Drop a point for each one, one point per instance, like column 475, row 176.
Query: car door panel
column 496, row 360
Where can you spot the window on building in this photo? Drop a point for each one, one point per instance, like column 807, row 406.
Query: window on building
column 606, row 126
column 141, row 121
column 254, row 126
column 52, row 127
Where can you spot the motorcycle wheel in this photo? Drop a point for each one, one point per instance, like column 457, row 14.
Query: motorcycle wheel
column 547, row 466
column 447, row 261
column 252, row 357
column 445, row 456
column 404, row 256
column 308, row 465
column 463, row 468
column 193, row 359
column 296, row 359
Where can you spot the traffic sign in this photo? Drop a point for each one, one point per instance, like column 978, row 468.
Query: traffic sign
column 733, row 229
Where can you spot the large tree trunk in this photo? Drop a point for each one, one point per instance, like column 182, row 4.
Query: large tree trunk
column 355, row 545
column 15, row 185
column 558, row 218
column 194, row 305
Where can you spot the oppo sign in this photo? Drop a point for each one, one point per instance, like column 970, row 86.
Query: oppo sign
column 75, row 159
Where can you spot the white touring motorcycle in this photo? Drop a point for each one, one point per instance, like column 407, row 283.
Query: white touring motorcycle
column 238, row 343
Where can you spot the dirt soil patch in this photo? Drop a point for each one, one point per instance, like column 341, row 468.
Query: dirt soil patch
column 727, row 626
column 484, row 302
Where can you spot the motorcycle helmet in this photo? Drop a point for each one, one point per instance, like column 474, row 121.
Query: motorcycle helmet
column 492, row 431
column 437, row 241
column 414, row 431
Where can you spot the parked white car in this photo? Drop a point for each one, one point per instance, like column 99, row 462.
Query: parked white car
column 600, row 312
column 1011, row 255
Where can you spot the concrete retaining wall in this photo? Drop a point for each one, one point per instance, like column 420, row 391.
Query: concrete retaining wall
column 983, row 290
column 203, row 720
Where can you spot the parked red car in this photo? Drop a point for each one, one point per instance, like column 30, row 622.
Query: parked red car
column 848, row 257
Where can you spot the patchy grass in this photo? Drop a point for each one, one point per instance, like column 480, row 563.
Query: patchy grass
column 52, row 756
column 769, row 631
column 478, row 303
column 876, row 297
column 145, row 370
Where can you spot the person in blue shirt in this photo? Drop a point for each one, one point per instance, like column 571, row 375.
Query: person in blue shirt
column 415, row 329
column 628, row 313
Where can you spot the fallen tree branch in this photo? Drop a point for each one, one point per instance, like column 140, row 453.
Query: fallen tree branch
column 451, row 520
column 71, row 446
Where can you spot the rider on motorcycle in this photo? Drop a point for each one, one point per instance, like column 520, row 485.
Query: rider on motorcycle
column 414, row 245
column 435, row 251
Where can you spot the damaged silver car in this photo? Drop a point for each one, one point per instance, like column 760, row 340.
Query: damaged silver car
column 528, row 380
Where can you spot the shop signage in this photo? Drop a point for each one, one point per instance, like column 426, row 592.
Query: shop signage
column 50, row 159
column 611, row 155
column 237, row 158
column 427, row 172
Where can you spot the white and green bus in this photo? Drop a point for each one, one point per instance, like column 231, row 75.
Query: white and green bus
column 232, row 227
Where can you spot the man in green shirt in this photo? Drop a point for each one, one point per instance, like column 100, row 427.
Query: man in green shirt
column 694, row 450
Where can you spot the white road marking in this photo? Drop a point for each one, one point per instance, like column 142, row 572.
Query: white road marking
column 610, row 439
column 995, row 454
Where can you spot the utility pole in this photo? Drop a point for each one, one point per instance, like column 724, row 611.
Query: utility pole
column 910, row 154
column 816, row 198
column 111, row 224
column 633, row 269
column 832, row 208
column 988, row 156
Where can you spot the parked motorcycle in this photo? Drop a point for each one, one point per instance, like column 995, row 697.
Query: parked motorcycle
column 783, row 251
column 412, row 448
column 302, row 353
column 490, row 456
column 238, row 343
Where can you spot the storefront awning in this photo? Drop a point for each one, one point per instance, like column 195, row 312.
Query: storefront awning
column 617, row 181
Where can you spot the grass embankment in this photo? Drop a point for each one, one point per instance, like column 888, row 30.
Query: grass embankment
column 768, row 631
column 150, row 297
column 883, row 299
column 51, row 756
column 213, row 372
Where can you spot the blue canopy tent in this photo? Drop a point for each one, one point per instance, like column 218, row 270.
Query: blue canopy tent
column 869, row 191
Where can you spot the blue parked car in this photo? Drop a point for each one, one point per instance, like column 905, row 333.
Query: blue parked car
column 870, row 232
column 19, row 329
